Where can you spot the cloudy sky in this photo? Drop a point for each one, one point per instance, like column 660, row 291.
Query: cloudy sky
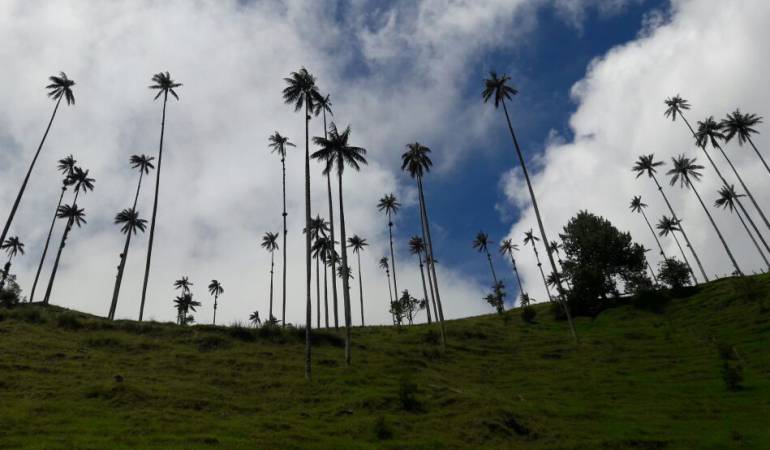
column 592, row 74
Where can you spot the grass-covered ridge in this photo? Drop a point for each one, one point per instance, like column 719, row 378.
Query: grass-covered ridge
column 639, row 379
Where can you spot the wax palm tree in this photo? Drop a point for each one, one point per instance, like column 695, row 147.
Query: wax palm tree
column 417, row 247
column 215, row 289
column 357, row 244
column 12, row 246
column 131, row 223
column 530, row 238
column 508, row 247
column 646, row 164
column 184, row 304
column 669, row 226
column 318, row 227
column 331, row 258
column 337, row 153
column 742, row 125
column 66, row 166
column 385, row 265
column 481, row 243
column 301, row 91
column 323, row 106
column 183, row 284
column 254, row 319
column 638, row 206
column 74, row 216
column 279, row 144
column 320, row 251
column 390, row 205
column 498, row 88
column 270, row 243
column 684, row 172
column 416, row 161
column 555, row 247
column 709, row 131
column 60, row 88
column 727, row 200
column 164, row 84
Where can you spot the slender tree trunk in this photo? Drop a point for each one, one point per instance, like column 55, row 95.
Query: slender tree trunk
column 283, row 292
column 47, row 298
column 681, row 250
column 540, row 266
column 216, row 297
column 652, row 272
column 45, row 247
column 360, row 288
column 684, row 234
column 318, row 292
column 29, row 172
column 491, row 267
column 654, row 235
column 754, row 241
column 719, row 233
column 562, row 297
column 272, row 268
column 308, row 264
column 124, row 256
column 424, row 288
column 745, row 188
column 331, row 234
column 759, row 154
column 431, row 260
column 346, row 279
column 390, row 291
column 516, row 271
column 326, row 296
column 430, row 287
column 154, row 209
column 392, row 253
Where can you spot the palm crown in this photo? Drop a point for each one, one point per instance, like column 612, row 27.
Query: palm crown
column 554, row 246
column 384, row 263
column 323, row 104
column 336, row 152
column 636, row 204
column 61, row 86
column 646, row 164
column 130, row 220
column 481, row 241
column 318, row 227
column 183, row 284
column 416, row 245
column 497, row 87
column 301, row 90
column 667, row 225
column 389, row 204
column 66, row 166
column 142, row 162
column 416, row 160
column 709, row 131
column 357, row 243
column 741, row 125
column 727, row 197
column 13, row 246
column 278, row 144
column 685, row 170
column 675, row 105
column 529, row 236
column 71, row 212
column 81, row 180
column 215, row 288
column 270, row 241
column 507, row 246
column 164, row 84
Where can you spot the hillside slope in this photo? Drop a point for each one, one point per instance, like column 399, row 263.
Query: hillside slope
column 639, row 379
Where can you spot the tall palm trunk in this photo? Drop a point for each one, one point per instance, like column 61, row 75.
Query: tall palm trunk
column 684, row 234
column 652, row 272
column 308, row 259
column 392, row 253
column 326, row 296
column 283, row 317
column 154, row 208
column 745, row 188
column 654, row 235
column 45, row 247
column 754, row 241
column 491, row 267
column 430, row 287
column 540, row 266
column 424, row 288
column 29, row 172
column 318, row 292
column 390, row 291
column 67, row 228
column 345, row 279
column 360, row 288
column 759, row 154
column 331, row 234
column 216, row 297
column 562, row 297
column 516, row 271
column 431, row 260
column 124, row 256
column 681, row 250
column 272, row 268
column 719, row 233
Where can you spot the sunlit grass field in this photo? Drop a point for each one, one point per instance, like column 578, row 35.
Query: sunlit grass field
column 695, row 374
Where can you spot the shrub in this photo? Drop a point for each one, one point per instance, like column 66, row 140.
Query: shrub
column 407, row 396
column 432, row 337
column 528, row 314
column 30, row 315
column 8, row 298
column 69, row 321
column 732, row 374
column 650, row 300
column 674, row 274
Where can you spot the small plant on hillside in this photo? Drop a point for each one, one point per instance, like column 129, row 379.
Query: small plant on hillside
column 732, row 374
column 10, row 294
column 674, row 274
column 528, row 314
column 381, row 429
column 407, row 396
column 497, row 297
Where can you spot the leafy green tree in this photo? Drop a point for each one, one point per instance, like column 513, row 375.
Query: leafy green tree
column 279, row 144
column 742, row 125
column 508, row 247
column 60, row 88
column 163, row 83
column 270, row 243
column 74, row 216
column 12, row 246
column 337, row 154
column 215, row 289
column 530, row 238
column 131, row 224
column 669, row 226
column 727, row 200
column 417, row 247
column 357, row 244
column 481, row 243
column 498, row 88
column 390, row 205
column 674, row 274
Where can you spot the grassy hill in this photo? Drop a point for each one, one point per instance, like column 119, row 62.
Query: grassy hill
column 639, row 379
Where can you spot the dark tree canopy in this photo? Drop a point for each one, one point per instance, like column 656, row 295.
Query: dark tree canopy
column 598, row 256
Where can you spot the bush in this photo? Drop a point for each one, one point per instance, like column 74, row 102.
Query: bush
column 732, row 374
column 407, row 396
column 69, row 321
column 528, row 314
column 8, row 298
column 650, row 300
column 674, row 274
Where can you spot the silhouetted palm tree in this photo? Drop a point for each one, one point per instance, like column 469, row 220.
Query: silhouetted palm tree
column 669, row 226
column 727, row 199
column 323, row 105
column 279, row 144
column 322, row 246
column 184, row 304
column 385, row 265
column 183, row 284
column 131, row 223
column 270, row 243
column 357, row 244
column 685, row 170
column 390, row 205
column 646, row 164
column 498, row 88
column 302, row 92
column 507, row 246
column 530, row 238
column 417, row 247
column 417, row 162
column 254, row 319
column 337, row 153
column 481, row 243
column 741, row 125
column 638, row 206
column 12, row 246
column 164, row 85
column 215, row 289
column 60, row 88
column 66, row 166
column 318, row 228
column 74, row 216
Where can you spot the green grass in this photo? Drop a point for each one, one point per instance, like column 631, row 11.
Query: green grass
column 639, row 379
